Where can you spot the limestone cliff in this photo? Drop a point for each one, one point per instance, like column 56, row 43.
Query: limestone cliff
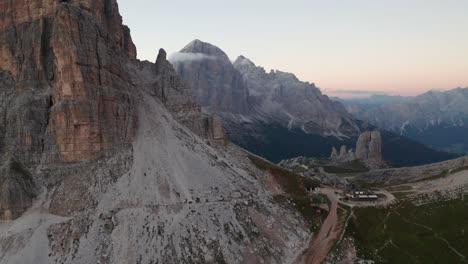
column 368, row 151
column 343, row 156
column 369, row 147
column 214, row 81
column 65, row 59
column 214, row 129
column 281, row 97
column 161, row 81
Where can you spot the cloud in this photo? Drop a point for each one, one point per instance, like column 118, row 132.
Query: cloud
column 183, row 56
column 358, row 92
column 354, row 93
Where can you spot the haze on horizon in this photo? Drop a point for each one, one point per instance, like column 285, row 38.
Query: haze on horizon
column 363, row 47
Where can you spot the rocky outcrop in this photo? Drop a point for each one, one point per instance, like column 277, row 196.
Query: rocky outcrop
column 17, row 189
column 369, row 147
column 214, row 81
column 161, row 81
column 368, row 150
column 343, row 156
column 214, row 129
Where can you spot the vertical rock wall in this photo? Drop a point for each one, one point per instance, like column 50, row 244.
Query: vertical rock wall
column 64, row 61
column 369, row 147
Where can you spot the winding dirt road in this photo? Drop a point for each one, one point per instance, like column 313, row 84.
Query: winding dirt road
column 329, row 232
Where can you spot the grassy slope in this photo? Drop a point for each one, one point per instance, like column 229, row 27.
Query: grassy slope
column 354, row 166
column 294, row 192
column 405, row 233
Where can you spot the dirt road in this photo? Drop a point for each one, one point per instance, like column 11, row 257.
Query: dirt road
column 329, row 232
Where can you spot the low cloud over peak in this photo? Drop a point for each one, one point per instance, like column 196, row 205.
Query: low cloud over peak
column 183, row 56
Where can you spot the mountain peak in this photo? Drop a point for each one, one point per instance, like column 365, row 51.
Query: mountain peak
column 241, row 60
column 198, row 46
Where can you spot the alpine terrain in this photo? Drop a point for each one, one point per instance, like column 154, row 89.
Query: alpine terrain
column 107, row 159
column 277, row 116
column 437, row 119
column 193, row 158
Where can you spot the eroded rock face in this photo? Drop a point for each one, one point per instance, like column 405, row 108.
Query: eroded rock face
column 334, row 153
column 214, row 129
column 162, row 81
column 17, row 189
column 283, row 98
column 368, row 150
column 343, row 150
column 214, row 81
column 369, row 147
column 343, row 156
column 67, row 57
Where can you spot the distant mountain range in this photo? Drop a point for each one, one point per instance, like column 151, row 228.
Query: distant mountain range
column 274, row 114
column 437, row 119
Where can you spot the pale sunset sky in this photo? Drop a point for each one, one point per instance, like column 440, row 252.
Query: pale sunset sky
column 401, row 47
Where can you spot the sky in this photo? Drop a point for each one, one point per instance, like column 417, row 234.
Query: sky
column 346, row 47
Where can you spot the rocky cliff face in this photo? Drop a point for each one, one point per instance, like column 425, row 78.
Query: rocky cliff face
column 281, row 97
column 369, row 147
column 214, row 81
column 343, row 155
column 97, row 161
column 241, row 88
column 214, row 129
column 65, row 58
column 368, row 151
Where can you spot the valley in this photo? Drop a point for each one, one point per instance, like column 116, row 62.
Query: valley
column 435, row 118
column 111, row 154
column 378, row 231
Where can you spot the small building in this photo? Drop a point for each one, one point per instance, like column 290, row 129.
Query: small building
column 311, row 187
column 360, row 195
